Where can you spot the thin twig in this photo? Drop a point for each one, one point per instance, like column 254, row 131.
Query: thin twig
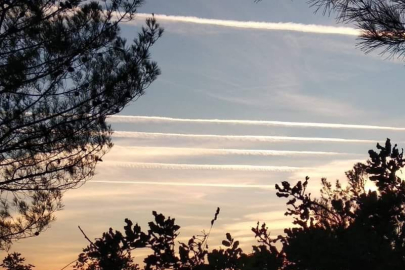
column 68, row 264
column 85, row 236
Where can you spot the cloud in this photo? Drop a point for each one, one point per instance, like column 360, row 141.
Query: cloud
column 297, row 101
column 269, row 26
column 142, row 151
column 332, row 170
column 185, row 184
column 266, row 216
column 158, row 119
column 156, row 135
column 170, row 166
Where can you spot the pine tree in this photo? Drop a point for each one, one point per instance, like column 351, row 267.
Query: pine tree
column 63, row 69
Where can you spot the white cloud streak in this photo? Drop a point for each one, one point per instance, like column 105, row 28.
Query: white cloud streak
column 269, row 26
column 181, row 151
column 155, row 135
column 158, row 119
column 170, row 166
column 183, row 184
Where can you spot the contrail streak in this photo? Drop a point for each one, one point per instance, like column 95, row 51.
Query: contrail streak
column 170, row 166
column 164, row 151
column 271, row 26
column 158, row 119
column 182, row 184
column 155, row 135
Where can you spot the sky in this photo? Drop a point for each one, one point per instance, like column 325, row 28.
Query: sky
column 250, row 95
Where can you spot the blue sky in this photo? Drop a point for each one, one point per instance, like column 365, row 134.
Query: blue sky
column 216, row 72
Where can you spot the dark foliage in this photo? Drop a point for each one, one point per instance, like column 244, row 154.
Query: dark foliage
column 346, row 228
column 113, row 250
column 381, row 22
column 14, row 261
column 63, row 69
column 350, row 228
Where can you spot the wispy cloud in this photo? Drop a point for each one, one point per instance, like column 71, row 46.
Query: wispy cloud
column 158, row 119
column 269, row 26
column 125, row 151
column 170, row 166
column 332, row 170
column 184, row 184
column 318, row 104
column 266, row 216
column 155, row 135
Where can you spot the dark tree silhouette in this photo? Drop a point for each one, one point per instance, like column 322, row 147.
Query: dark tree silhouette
column 114, row 250
column 63, row 69
column 347, row 228
column 14, row 261
column 350, row 228
column 381, row 21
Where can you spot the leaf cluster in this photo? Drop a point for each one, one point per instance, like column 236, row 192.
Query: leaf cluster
column 14, row 261
column 113, row 250
column 381, row 22
column 351, row 227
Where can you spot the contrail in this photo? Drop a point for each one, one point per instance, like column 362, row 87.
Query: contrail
column 182, row 184
column 170, row 166
column 158, row 119
column 271, row 26
column 155, row 135
column 146, row 150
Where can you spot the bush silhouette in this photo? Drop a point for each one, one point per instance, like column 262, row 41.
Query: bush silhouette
column 347, row 228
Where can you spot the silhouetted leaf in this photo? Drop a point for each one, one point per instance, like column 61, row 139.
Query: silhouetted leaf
column 226, row 243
